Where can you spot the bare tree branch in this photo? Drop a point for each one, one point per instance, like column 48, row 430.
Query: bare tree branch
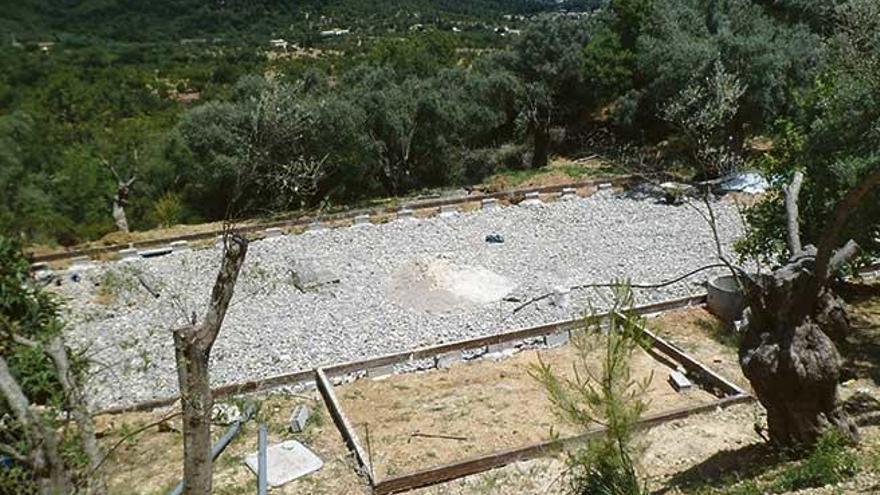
column 792, row 194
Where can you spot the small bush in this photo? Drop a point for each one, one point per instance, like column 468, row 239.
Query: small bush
column 168, row 209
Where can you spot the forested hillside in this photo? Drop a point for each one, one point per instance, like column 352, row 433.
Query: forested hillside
column 365, row 99
column 170, row 20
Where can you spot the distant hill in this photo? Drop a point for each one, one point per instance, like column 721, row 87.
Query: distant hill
column 172, row 20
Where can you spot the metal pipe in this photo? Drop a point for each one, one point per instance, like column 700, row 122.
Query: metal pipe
column 224, row 441
column 262, row 462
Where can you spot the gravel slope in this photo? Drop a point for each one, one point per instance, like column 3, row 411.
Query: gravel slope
column 274, row 328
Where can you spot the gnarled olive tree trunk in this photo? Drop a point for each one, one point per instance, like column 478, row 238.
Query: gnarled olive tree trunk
column 787, row 352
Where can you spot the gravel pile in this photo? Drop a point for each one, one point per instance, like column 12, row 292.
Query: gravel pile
column 273, row 327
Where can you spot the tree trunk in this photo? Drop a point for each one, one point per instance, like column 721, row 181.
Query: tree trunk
column 76, row 400
column 195, row 390
column 541, row 140
column 192, row 346
column 43, row 457
column 119, row 217
column 789, row 359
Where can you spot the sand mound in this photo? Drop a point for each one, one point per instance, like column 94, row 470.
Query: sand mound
column 436, row 285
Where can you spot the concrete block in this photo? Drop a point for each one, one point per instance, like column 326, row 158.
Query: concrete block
column 557, row 339
column 80, row 263
column 128, row 254
column 447, row 359
column 286, row 461
column 381, row 371
column 299, row 418
column 489, row 204
column 316, row 226
column 568, row 194
column 605, row 186
column 362, row 221
column 180, row 247
column 532, row 199
column 272, row 232
column 405, row 214
column 448, row 211
column 679, row 382
column 501, row 346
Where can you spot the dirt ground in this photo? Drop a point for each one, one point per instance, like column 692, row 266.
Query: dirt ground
column 500, row 405
column 151, row 463
column 486, row 406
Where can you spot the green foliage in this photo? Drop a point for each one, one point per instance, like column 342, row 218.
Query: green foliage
column 168, row 209
column 608, row 397
column 833, row 138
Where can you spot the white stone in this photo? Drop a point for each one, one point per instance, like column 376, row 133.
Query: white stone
column 128, row 254
column 532, row 199
column 285, row 462
column 489, row 204
column 362, row 221
column 568, row 194
column 180, row 247
column 272, row 232
column 448, row 211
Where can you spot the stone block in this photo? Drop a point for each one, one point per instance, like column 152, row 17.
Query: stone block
column 362, row 221
column 489, row 204
column 286, row 462
column 316, row 226
column 272, row 232
column 448, row 211
column 380, row 371
column 299, row 418
column 128, row 254
column 532, row 198
column 557, row 339
column 447, row 359
column 679, row 382
column 568, row 194
column 405, row 214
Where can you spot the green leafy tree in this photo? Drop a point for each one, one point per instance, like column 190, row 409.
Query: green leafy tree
column 603, row 393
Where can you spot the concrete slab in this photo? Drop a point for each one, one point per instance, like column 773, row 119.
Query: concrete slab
column 489, row 204
column 568, row 194
column 286, row 461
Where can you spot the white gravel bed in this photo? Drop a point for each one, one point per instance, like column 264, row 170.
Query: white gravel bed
column 272, row 327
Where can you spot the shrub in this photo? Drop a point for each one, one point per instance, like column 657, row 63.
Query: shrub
column 608, row 396
column 168, row 209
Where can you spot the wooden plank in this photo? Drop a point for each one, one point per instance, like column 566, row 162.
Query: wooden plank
column 694, row 366
column 307, row 219
column 342, row 423
column 306, row 376
column 441, row 474
column 514, row 335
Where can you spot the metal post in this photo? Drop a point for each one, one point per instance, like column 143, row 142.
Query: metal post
column 262, row 462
